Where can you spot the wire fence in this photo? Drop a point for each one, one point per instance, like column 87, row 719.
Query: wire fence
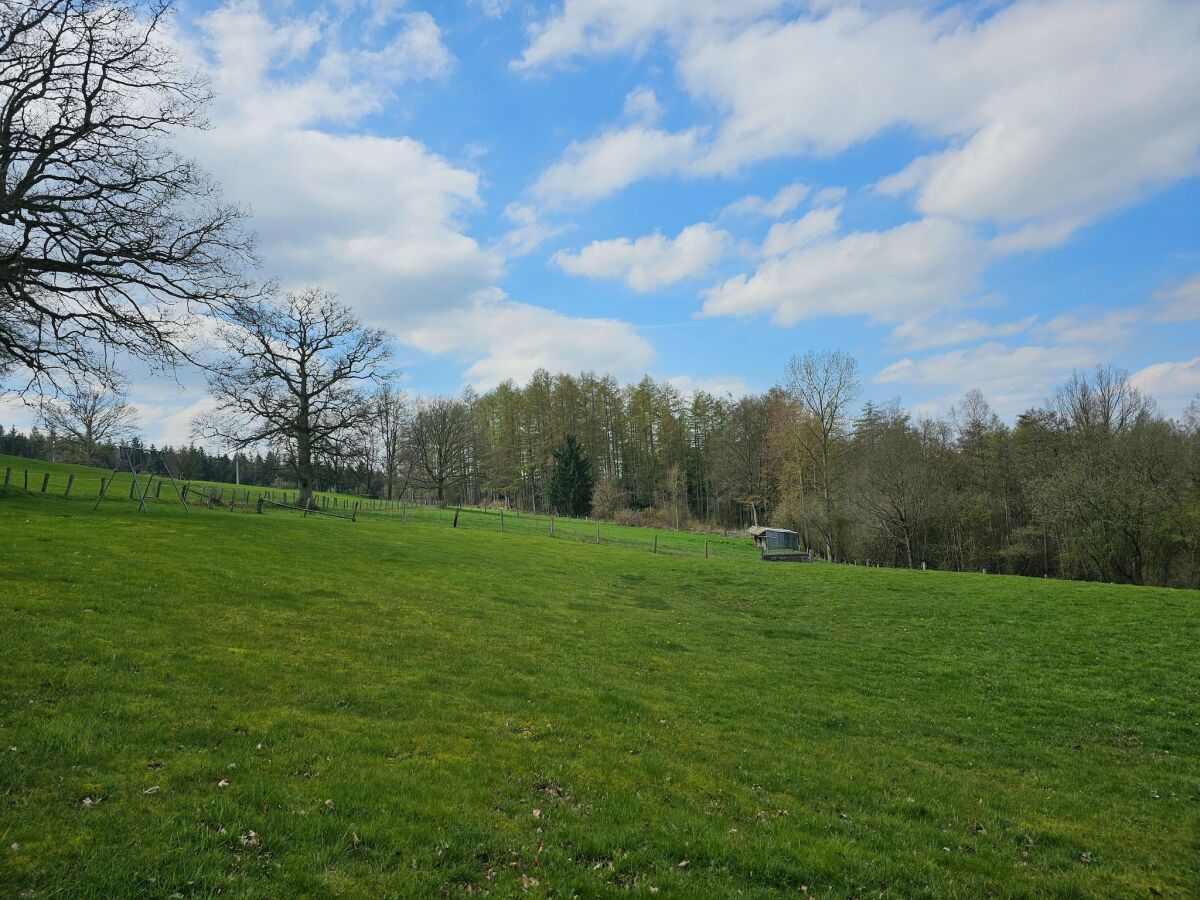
column 82, row 483
column 588, row 531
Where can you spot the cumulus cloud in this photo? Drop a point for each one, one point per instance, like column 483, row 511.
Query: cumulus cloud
column 784, row 237
column 1051, row 112
column 504, row 339
column 922, row 334
column 603, row 165
column 1181, row 303
column 649, row 262
column 1012, row 378
column 591, row 27
column 642, row 104
column 1172, row 384
column 785, row 200
column 906, row 271
column 380, row 220
column 529, row 229
column 716, row 385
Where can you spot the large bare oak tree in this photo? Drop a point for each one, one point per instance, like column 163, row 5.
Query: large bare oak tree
column 109, row 240
column 291, row 377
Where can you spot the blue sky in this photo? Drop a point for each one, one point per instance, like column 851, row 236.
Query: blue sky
column 964, row 195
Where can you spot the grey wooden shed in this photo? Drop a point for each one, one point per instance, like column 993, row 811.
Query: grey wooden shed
column 774, row 538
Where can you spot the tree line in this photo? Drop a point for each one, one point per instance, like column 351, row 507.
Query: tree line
column 1093, row 484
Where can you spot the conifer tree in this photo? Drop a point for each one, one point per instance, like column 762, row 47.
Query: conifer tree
column 571, row 479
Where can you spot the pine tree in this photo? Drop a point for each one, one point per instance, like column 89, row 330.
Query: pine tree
column 571, row 478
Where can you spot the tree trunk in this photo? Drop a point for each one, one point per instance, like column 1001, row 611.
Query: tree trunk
column 304, row 466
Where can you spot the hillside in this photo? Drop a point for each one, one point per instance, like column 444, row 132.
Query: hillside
column 273, row 706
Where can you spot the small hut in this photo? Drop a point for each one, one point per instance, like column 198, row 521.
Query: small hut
column 769, row 539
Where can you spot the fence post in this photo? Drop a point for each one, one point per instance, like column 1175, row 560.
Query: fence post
column 597, row 531
column 26, row 479
column 103, row 484
column 706, row 548
column 403, row 512
column 501, row 521
column 7, row 475
column 260, row 504
column 70, row 482
column 552, row 526
column 456, row 512
column 45, row 481
column 354, row 512
column 656, row 543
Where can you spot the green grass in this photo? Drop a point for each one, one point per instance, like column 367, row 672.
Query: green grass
column 656, row 540
column 488, row 710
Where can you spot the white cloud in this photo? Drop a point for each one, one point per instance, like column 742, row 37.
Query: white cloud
column 922, row 334
column 784, row 237
column 642, row 105
column 1096, row 327
column 504, row 339
column 716, row 385
column 1182, row 303
column 529, row 231
column 1052, row 112
column 1012, row 378
column 649, row 262
column 890, row 275
column 605, row 164
column 380, row 220
column 785, row 200
column 590, row 27
column 1172, row 384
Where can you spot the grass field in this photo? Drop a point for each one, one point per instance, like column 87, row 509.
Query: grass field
column 268, row 706
column 87, row 482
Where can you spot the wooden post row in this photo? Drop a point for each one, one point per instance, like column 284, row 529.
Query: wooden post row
column 70, row 482
column 45, row 481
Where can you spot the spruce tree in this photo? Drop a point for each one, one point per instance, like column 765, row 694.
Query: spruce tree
column 571, row 479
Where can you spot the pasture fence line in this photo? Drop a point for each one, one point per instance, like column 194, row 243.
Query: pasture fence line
column 421, row 511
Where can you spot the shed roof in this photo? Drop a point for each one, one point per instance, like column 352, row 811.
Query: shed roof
column 756, row 530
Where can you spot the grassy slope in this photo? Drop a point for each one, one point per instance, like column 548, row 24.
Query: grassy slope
column 87, row 485
column 851, row 731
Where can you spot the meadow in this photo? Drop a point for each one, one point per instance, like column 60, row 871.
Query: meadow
column 246, row 705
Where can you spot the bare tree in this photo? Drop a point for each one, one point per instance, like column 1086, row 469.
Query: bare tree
column 1103, row 402
column 438, row 444
column 824, row 385
column 291, row 378
column 109, row 241
column 892, row 489
column 392, row 420
column 85, row 417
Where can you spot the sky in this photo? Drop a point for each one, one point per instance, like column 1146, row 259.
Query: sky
column 963, row 195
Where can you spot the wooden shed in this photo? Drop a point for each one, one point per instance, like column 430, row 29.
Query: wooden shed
column 774, row 538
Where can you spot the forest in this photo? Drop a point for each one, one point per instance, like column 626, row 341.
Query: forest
column 1094, row 484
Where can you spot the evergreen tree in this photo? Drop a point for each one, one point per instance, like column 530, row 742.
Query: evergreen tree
column 571, row 478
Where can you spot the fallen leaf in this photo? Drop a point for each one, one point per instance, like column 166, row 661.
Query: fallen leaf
column 222, row 783
column 527, row 882
column 154, row 764
column 537, row 813
column 151, row 790
column 328, row 806
column 682, row 865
